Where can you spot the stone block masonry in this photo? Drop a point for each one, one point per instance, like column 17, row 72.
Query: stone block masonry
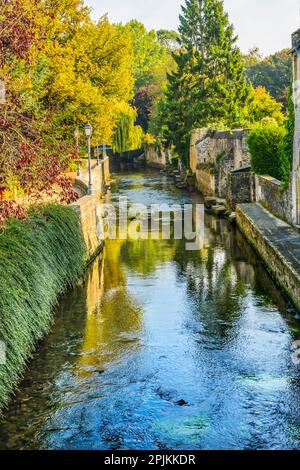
column 240, row 188
column 213, row 154
column 270, row 193
column 87, row 206
column 277, row 243
column 157, row 157
column 87, row 210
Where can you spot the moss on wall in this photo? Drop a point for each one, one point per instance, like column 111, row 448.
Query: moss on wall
column 39, row 260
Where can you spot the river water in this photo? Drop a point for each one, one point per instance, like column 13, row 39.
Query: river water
column 162, row 348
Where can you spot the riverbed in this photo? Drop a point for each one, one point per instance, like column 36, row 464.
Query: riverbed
column 164, row 348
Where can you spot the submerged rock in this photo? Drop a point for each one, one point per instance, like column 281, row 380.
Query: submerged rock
column 181, row 403
column 219, row 210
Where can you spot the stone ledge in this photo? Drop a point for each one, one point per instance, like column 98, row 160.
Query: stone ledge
column 277, row 243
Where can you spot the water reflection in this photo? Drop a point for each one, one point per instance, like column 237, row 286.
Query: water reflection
column 163, row 348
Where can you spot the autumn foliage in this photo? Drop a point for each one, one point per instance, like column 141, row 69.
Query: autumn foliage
column 60, row 70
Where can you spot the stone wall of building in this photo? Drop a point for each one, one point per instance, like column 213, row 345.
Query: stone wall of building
column 239, row 188
column 295, row 185
column 222, row 151
column 205, row 180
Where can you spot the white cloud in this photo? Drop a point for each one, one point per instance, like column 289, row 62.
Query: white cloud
column 267, row 24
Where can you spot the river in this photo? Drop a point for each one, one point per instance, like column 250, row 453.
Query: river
column 163, row 348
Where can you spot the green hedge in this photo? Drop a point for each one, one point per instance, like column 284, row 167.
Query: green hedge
column 266, row 143
column 39, row 259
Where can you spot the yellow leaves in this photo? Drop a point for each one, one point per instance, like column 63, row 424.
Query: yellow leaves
column 263, row 105
column 149, row 139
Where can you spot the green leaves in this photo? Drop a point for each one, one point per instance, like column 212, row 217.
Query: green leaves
column 265, row 144
column 209, row 84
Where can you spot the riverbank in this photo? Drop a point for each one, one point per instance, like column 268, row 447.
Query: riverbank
column 40, row 259
column 161, row 347
column 277, row 243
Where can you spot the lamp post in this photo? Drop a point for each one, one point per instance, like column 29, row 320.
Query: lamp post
column 88, row 132
column 76, row 135
column 98, row 155
column 104, row 150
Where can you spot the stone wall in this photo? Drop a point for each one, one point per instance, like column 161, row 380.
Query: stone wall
column 156, row 158
column 269, row 193
column 295, row 186
column 88, row 206
column 88, row 211
column 272, row 246
column 100, row 177
column 205, row 180
column 222, row 151
column 239, row 188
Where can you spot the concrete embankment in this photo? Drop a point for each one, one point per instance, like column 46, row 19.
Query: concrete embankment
column 277, row 243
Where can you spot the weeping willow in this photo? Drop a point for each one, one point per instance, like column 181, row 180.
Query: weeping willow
column 127, row 136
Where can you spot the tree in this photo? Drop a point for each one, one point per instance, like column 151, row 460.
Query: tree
column 168, row 39
column 263, row 105
column 127, row 135
column 273, row 73
column 143, row 102
column 60, row 70
column 253, row 58
column 208, row 85
column 152, row 61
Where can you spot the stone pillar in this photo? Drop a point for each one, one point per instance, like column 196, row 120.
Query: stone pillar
column 296, row 153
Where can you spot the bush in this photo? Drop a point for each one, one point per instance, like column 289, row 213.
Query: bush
column 39, row 259
column 265, row 143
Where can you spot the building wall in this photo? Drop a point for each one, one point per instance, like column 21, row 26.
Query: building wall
column 220, row 152
column 296, row 156
column 205, row 181
column 239, row 189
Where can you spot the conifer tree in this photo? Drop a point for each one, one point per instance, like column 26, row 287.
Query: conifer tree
column 209, row 85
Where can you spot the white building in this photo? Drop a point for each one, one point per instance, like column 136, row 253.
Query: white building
column 296, row 156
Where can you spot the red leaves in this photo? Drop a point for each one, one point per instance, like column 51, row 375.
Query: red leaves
column 10, row 210
column 17, row 30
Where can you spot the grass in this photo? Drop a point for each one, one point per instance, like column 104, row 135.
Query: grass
column 39, row 260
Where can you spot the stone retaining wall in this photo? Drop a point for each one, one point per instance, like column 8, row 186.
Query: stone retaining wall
column 100, row 178
column 269, row 192
column 156, row 158
column 205, row 181
column 272, row 249
column 87, row 209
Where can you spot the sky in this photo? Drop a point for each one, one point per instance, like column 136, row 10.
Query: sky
column 266, row 24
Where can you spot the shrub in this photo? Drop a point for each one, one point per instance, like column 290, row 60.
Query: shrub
column 265, row 143
column 39, row 259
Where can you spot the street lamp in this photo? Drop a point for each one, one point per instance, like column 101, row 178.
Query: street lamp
column 104, row 150
column 76, row 135
column 88, row 132
column 98, row 155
